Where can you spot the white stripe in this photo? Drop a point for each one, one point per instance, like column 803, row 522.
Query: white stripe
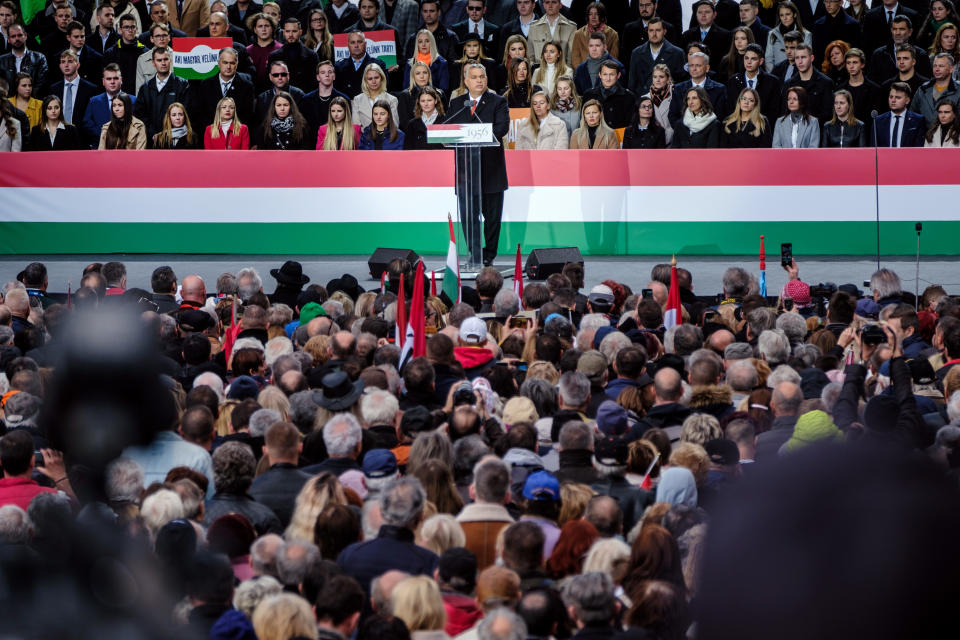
column 522, row 204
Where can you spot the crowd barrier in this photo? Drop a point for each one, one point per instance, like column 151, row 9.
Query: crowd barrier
column 708, row 202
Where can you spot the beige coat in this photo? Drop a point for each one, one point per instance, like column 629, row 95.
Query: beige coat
column 553, row 134
column 136, row 137
column 540, row 35
column 363, row 110
column 581, row 140
column 196, row 14
column 936, row 142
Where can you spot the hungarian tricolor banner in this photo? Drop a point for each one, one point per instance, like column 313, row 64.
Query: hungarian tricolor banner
column 196, row 58
column 672, row 315
column 380, row 44
column 451, row 271
column 415, row 343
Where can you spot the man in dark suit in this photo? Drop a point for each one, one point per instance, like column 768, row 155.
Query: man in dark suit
column 350, row 69
column 809, row 16
column 228, row 82
column 98, row 110
column 301, row 61
column 698, row 65
column 480, row 104
column 766, row 85
column 749, row 9
column 237, row 14
column 836, row 24
column 656, row 50
column 819, row 87
column 899, row 127
column 635, row 33
column 77, row 97
column 316, row 104
column 104, row 36
column 340, row 15
column 476, row 24
column 430, row 20
column 56, row 40
column 619, row 104
column 527, row 13
column 220, row 27
column 883, row 61
column 878, row 21
column 159, row 92
column 91, row 62
column 715, row 37
column 159, row 14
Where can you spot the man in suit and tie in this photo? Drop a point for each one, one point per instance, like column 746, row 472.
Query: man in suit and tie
column 766, row 85
column 74, row 92
column 479, row 104
column 877, row 22
column 883, row 61
column 229, row 82
column 350, row 70
column 698, row 65
column 656, row 50
column 476, row 24
column 899, row 127
column 715, row 37
column 188, row 15
column 91, row 62
column 99, row 108
column 159, row 92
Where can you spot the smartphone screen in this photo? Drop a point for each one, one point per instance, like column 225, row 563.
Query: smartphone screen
column 786, row 254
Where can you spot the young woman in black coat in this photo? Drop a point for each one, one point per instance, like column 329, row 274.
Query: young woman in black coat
column 53, row 133
column 699, row 127
column 747, row 128
column 644, row 132
column 176, row 132
column 429, row 110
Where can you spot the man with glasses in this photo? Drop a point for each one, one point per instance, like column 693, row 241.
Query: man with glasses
column 126, row 53
column 476, row 25
column 527, row 15
column 552, row 26
column 159, row 38
column 280, row 81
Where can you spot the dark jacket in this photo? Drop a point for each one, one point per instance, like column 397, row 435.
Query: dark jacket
column 819, row 90
column 85, row 91
column 152, row 105
column 393, row 548
column 577, row 466
column 493, row 109
column 913, row 130
column 642, row 64
column 744, row 138
column 301, row 61
column 866, row 97
column 769, row 442
column 653, row 137
column 278, row 489
column 841, row 134
column 339, row 25
column 491, row 37
column 582, row 79
column 209, row 94
column 716, row 92
column 67, row 139
column 634, row 35
column 883, row 63
column 316, row 109
column 367, row 142
column 125, row 55
column 349, row 78
column 446, row 45
column 619, row 104
column 718, row 40
column 706, row 138
column 768, row 87
column 262, row 517
column 34, row 63
column 633, row 500
column 660, row 416
column 876, row 31
column 839, row 27
column 336, row 466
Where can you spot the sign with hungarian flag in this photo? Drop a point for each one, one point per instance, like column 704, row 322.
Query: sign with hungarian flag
column 196, row 58
column 380, row 44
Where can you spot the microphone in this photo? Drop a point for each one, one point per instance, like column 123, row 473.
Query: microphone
column 466, row 105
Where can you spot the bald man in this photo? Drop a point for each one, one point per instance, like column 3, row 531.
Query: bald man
column 193, row 292
column 666, row 413
column 785, row 405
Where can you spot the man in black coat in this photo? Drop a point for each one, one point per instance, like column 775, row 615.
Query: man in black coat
column 748, row 18
column 125, row 53
column 447, row 44
column 159, row 14
column 350, row 69
column 228, row 82
column 81, row 91
column 809, row 16
column 56, row 40
column 32, row 62
column 866, row 93
column 479, row 104
column 301, row 61
column 279, row 486
column 159, row 92
column 619, row 104
column 906, row 71
column 698, row 66
column 230, row 30
column 645, row 57
column 91, row 62
column 280, row 79
column 883, row 60
column 527, row 13
column 635, row 33
column 715, row 37
column 819, row 87
column 315, row 106
column 836, row 24
column 878, row 23
column 104, row 36
column 487, row 32
column 766, row 85
column 340, row 15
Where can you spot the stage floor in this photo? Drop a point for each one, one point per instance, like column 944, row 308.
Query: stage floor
column 635, row 272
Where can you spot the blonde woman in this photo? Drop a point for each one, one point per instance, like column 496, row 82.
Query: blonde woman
column 418, row 603
column 344, row 135
column 542, row 129
column 747, row 128
column 552, row 66
column 516, row 46
column 421, row 78
column 441, row 532
column 226, row 132
column 283, row 617
column 321, row 490
column 661, row 92
column 176, row 132
column 373, row 88
column 426, row 53
column 593, row 132
column 565, row 102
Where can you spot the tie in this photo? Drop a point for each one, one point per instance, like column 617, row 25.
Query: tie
column 896, row 130
column 179, row 8
column 750, row 83
column 703, row 35
column 473, row 106
column 226, row 87
column 476, row 28
column 68, row 103
column 889, row 17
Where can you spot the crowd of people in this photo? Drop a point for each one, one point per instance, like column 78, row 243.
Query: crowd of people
column 753, row 74
column 194, row 459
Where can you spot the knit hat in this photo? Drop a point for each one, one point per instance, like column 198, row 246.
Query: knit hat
column 310, row 311
column 243, row 387
column 811, row 427
column 519, row 409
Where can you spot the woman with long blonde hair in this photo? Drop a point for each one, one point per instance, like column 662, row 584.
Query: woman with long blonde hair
column 343, row 134
column 373, row 87
column 747, row 127
column 516, row 46
column 594, row 133
column 542, row 129
column 176, row 131
column 321, row 490
column 226, row 132
column 425, row 52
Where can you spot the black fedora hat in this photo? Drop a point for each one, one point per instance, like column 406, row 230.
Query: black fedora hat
column 337, row 392
column 290, row 273
column 347, row 284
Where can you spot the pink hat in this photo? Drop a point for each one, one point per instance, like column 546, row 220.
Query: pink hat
column 799, row 291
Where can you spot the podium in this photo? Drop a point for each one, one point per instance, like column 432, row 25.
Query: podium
column 467, row 140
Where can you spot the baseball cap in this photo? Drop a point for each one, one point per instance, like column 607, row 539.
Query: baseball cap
column 592, row 364
column 601, row 293
column 612, row 419
column 379, row 463
column 541, row 485
column 473, row 330
column 611, row 451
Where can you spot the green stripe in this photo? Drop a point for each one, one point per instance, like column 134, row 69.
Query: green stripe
column 187, row 73
column 592, row 238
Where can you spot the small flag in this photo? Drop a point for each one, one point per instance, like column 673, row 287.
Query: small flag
column 401, row 316
column 451, row 271
column 384, row 279
column 196, row 58
column 518, row 277
column 433, row 283
column 415, row 342
column 763, row 270
column 230, row 335
column 672, row 315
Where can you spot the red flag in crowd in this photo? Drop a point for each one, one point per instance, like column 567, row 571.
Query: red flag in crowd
column 672, row 315
column 518, row 277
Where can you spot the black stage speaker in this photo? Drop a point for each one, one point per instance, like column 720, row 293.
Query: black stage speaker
column 542, row 263
column 382, row 258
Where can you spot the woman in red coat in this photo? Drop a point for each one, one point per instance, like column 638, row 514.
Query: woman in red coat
column 226, row 132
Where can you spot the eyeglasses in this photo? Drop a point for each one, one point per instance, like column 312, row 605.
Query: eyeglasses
column 646, row 106
column 475, row 8
column 279, row 75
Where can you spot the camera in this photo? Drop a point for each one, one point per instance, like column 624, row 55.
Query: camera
column 464, row 394
column 872, row 334
column 823, row 290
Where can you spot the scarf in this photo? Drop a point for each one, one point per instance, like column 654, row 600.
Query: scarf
column 697, row 123
column 659, row 95
column 592, row 133
column 795, row 117
column 566, row 104
column 178, row 132
column 424, row 58
column 282, row 125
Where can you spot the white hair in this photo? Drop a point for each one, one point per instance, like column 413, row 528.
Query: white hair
column 263, row 419
column 594, row 321
column 248, row 283
column 212, row 380
column 276, row 347
column 124, row 480
column 793, row 326
column 15, row 526
column 247, row 343
column 379, row 407
column 783, row 373
column 773, row 346
column 250, row 593
column 160, row 508
column 341, row 435
column 953, row 407
column 605, row 554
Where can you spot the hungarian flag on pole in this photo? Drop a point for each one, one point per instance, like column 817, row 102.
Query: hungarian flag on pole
column 672, row 315
column 380, row 44
column 518, row 277
column 401, row 316
column 30, row 8
column 415, row 344
column 451, row 272
column 196, row 58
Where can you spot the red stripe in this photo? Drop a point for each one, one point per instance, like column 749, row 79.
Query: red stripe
column 391, row 169
column 184, row 45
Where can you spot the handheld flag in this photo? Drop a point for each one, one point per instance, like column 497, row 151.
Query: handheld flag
column 415, row 343
column 672, row 315
column 230, row 335
column 433, row 283
column 518, row 277
column 451, row 271
column 384, row 279
column 763, row 270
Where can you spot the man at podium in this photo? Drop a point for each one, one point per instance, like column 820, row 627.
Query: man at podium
column 480, row 105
